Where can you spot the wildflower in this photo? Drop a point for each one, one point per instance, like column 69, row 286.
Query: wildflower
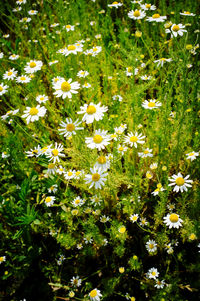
column 49, row 201
column 2, row 259
column 104, row 219
column 173, row 220
column 95, row 295
column 33, row 114
column 136, row 14
column 121, row 149
column 121, row 270
column 99, row 140
column 69, row 27
column 92, row 112
column 160, row 284
column 70, row 174
column 143, row 221
column 32, row 12
column 146, row 153
column 60, row 170
column 51, row 169
column 122, row 229
column 148, row 6
column 96, row 50
column 145, row 77
column 86, row 85
column 152, row 273
column 176, row 29
column 53, row 188
column 78, row 202
column 79, row 246
column 153, row 166
column 129, row 71
column 134, row 139
column 33, row 66
column 82, row 73
column 134, row 218
column 171, row 206
column 180, row 183
column 3, row 89
column 13, row 57
column 158, row 189
column 42, row 98
column 115, row 4
column 23, row 79
column 138, row 34
column 161, row 61
column 54, row 25
column 187, row 13
column 69, row 127
column 103, row 163
column 25, row 20
column 65, row 88
column 71, row 294
column 151, row 246
column 76, row 281
column 1, row 55
column 34, row 152
column 156, row 18
column 117, row 97
column 21, row 2
column 192, row 156
column 55, row 152
column 192, row 236
column 10, row 74
column 78, row 174
column 5, row 155
column 97, row 178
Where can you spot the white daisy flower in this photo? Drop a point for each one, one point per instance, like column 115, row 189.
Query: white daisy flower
column 82, row 73
column 134, row 139
column 95, row 295
column 115, row 4
column 42, row 98
column 86, row 85
column 10, row 74
column 60, row 170
column 146, row 77
column 192, row 156
column 65, row 88
column 161, row 61
column 51, row 169
column 25, row 20
column 99, row 140
column 134, row 218
column 21, row 2
column 92, row 112
column 102, row 162
column 70, row 174
column 187, row 13
column 53, row 62
column 1, row 55
column 172, row 220
column 78, row 174
column 117, row 97
column 72, row 49
column 104, row 219
column 121, row 149
column 54, row 25
column 55, row 152
column 146, row 153
column 33, row 114
column 34, row 152
column 76, row 281
column 2, row 259
column 151, row 104
column 136, row 14
column 13, row 57
column 69, row 27
column 153, row 166
column 156, row 18
column 49, row 201
column 18, row 8
column 159, row 283
column 129, row 71
column 77, row 202
column 158, row 189
column 176, row 29
column 152, row 273
column 151, row 246
column 96, row 50
column 32, row 12
column 70, row 127
column 180, row 183
column 23, row 79
column 97, row 178
column 53, row 188
column 3, row 89
column 148, row 6
column 143, row 222
column 33, row 66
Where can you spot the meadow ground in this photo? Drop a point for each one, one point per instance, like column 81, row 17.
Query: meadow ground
column 99, row 152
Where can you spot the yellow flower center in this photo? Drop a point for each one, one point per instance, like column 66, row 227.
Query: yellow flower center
column 180, row 181
column 1, row 88
column 33, row 111
column 51, row 165
column 121, row 148
column 97, row 139
column 136, row 13
column 71, row 47
column 32, row 64
column 77, row 173
column 101, row 160
column 151, row 246
column 41, row 98
column 191, row 154
column 146, row 151
column 48, row 199
column 1, row 259
column 10, row 73
column 95, row 177
column 70, row 173
column 151, row 104
column 65, row 87
column 133, row 139
column 175, row 28
column 148, row 5
column 192, row 236
column 95, row 49
column 173, row 218
column 156, row 16
column 153, row 273
column 115, row 2
column 122, row 229
column 68, row 26
column 23, row 78
column 77, row 201
column 55, row 152
column 70, row 127
column 134, row 218
column 129, row 69
column 187, row 12
column 93, row 293
column 91, row 110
